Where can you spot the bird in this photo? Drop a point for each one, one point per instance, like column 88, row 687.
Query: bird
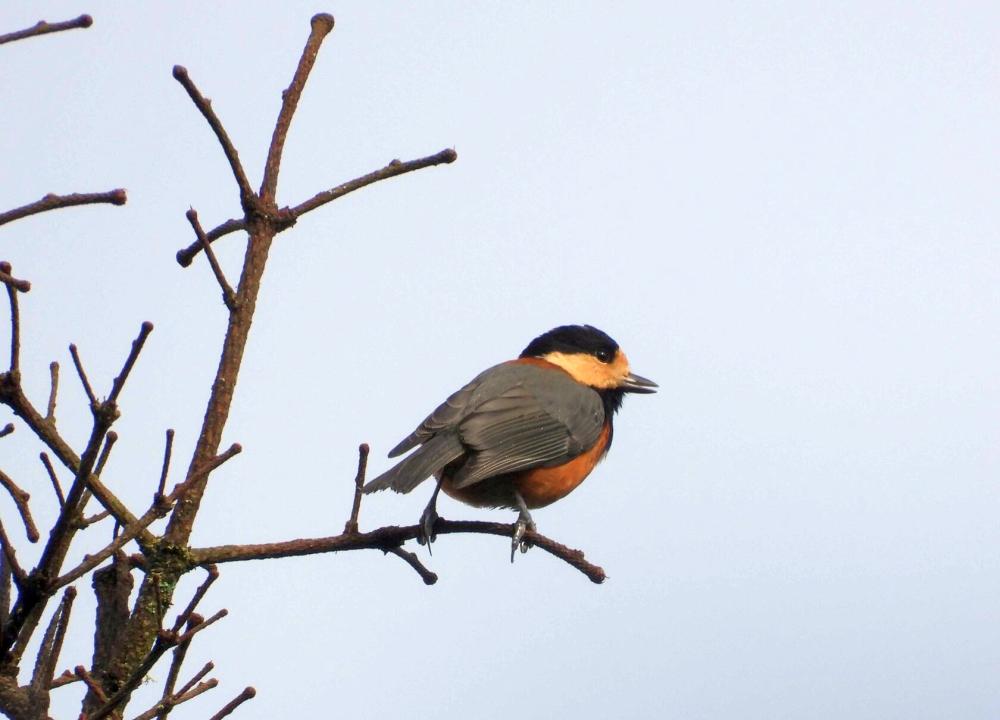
column 522, row 434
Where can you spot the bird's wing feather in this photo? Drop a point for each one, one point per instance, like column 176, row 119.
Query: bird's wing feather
column 449, row 414
column 546, row 419
column 414, row 469
column 511, row 417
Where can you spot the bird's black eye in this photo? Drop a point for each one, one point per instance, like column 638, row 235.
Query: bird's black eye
column 605, row 356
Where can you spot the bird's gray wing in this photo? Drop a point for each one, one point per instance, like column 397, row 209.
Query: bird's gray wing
column 510, row 417
column 545, row 419
column 412, row 470
column 438, row 434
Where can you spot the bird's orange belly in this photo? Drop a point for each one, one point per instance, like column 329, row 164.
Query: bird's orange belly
column 539, row 486
column 543, row 486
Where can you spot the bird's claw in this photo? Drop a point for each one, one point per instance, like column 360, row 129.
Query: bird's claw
column 517, row 540
column 427, row 534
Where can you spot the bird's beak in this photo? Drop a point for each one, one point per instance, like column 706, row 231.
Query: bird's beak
column 638, row 384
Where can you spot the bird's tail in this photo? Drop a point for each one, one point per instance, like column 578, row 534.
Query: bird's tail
column 431, row 457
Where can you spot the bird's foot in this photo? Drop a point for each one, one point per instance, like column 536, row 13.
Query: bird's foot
column 523, row 524
column 427, row 520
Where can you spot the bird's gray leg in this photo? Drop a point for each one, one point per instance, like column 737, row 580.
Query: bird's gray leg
column 524, row 523
column 427, row 520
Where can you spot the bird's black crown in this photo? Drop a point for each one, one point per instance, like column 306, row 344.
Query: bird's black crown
column 573, row 339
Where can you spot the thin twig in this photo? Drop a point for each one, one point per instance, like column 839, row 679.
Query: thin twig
column 5, row 579
column 7, row 429
column 53, row 477
column 83, row 375
column 50, row 411
column 204, row 106
column 15, row 322
column 247, row 694
column 180, row 653
column 44, row 28
column 10, row 281
column 167, row 451
column 95, row 518
column 394, row 168
column 202, row 625
column 213, row 575
column 359, row 481
column 186, row 256
column 228, row 294
column 213, row 464
column 162, row 708
column 413, row 561
column 66, row 678
column 54, row 202
column 20, row 498
column 119, row 382
column 81, row 672
column 322, row 24
column 208, row 667
column 10, row 554
column 51, row 646
column 109, row 441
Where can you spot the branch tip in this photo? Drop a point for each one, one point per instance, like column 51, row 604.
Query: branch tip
column 322, row 21
column 247, row 694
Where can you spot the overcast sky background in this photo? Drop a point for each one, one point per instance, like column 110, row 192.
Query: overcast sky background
column 786, row 213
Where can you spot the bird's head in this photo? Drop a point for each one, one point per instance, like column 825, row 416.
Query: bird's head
column 590, row 356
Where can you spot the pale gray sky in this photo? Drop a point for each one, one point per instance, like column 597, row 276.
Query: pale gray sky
column 786, row 213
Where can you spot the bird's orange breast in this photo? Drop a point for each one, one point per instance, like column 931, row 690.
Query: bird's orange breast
column 543, row 486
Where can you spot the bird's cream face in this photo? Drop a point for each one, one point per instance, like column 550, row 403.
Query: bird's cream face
column 589, row 370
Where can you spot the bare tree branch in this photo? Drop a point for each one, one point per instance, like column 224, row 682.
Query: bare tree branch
column 393, row 169
column 15, row 321
column 359, row 480
column 413, row 561
column 12, row 282
column 119, row 382
column 53, row 477
column 5, row 581
column 54, row 202
column 20, row 498
column 165, row 705
column 164, row 641
column 48, row 651
column 44, row 28
column 186, row 614
column 228, row 294
column 84, row 380
column 90, row 682
column 204, row 106
column 322, row 25
column 167, row 452
column 10, row 557
column 247, row 694
column 385, row 538
column 50, row 410
column 129, row 638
